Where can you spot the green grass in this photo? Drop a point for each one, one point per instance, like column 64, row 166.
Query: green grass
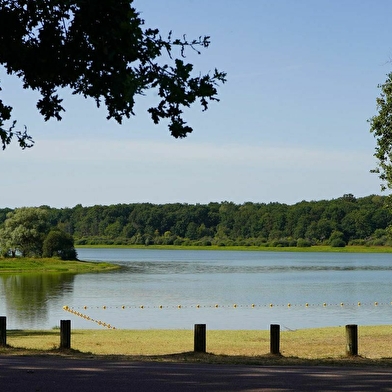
column 320, row 248
column 22, row 265
column 307, row 346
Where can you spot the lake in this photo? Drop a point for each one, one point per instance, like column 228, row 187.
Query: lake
column 175, row 289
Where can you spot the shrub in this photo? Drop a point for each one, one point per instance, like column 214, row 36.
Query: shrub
column 280, row 243
column 337, row 243
column 292, row 242
column 357, row 242
column 336, row 240
column 60, row 244
column 302, row 243
column 179, row 241
column 379, row 242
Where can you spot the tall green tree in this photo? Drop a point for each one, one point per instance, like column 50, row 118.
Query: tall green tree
column 24, row 232
column 100, row 50
column 381, row 127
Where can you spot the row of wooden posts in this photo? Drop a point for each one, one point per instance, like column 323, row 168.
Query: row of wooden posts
column 351, row 339
column 200, row 333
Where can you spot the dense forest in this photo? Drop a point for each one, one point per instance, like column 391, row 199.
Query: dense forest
column 337, row 222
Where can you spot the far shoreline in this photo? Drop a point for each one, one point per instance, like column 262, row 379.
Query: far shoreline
column 311, row 249
column 21, row 265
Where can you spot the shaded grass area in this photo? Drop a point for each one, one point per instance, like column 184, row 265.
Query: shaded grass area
column 21, row 265
column 320, row 346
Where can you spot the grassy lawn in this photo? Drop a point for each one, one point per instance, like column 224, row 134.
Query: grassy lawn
column 20, row 265
column 315, row 346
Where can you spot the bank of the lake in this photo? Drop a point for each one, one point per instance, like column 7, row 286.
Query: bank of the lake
column 25, row 265
column 316, row 249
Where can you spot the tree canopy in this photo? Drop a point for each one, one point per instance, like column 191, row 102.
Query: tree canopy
column 381, row 127
column 26, row 232
column 346, row 220
column 100, row 49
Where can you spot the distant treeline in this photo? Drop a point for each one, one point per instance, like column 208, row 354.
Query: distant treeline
column 337, row 222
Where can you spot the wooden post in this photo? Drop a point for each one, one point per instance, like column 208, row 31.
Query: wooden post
column 275, row 339
column 65, row 333
column 351, row 340
column 3, row 331
column 200, row 338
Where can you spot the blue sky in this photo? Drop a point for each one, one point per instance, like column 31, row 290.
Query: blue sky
column 291, row 124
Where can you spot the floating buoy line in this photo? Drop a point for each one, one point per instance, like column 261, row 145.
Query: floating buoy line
column 75, row 310
column 86, row 317
column 216, row 306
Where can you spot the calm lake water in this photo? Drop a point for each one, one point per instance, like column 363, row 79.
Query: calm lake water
column 180, row 288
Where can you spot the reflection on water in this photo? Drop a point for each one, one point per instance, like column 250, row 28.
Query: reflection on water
column 26, row 297
column 162, row 280
column 186, row 268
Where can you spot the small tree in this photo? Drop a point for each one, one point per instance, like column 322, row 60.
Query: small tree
column 59, row 244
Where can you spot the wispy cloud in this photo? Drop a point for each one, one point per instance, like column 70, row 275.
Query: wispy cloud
column 195, row 153
column 105, row 172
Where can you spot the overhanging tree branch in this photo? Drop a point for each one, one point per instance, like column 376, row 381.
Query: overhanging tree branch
column 100, row 50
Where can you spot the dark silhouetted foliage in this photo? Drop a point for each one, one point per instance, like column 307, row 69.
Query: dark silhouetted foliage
column 100, row 50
